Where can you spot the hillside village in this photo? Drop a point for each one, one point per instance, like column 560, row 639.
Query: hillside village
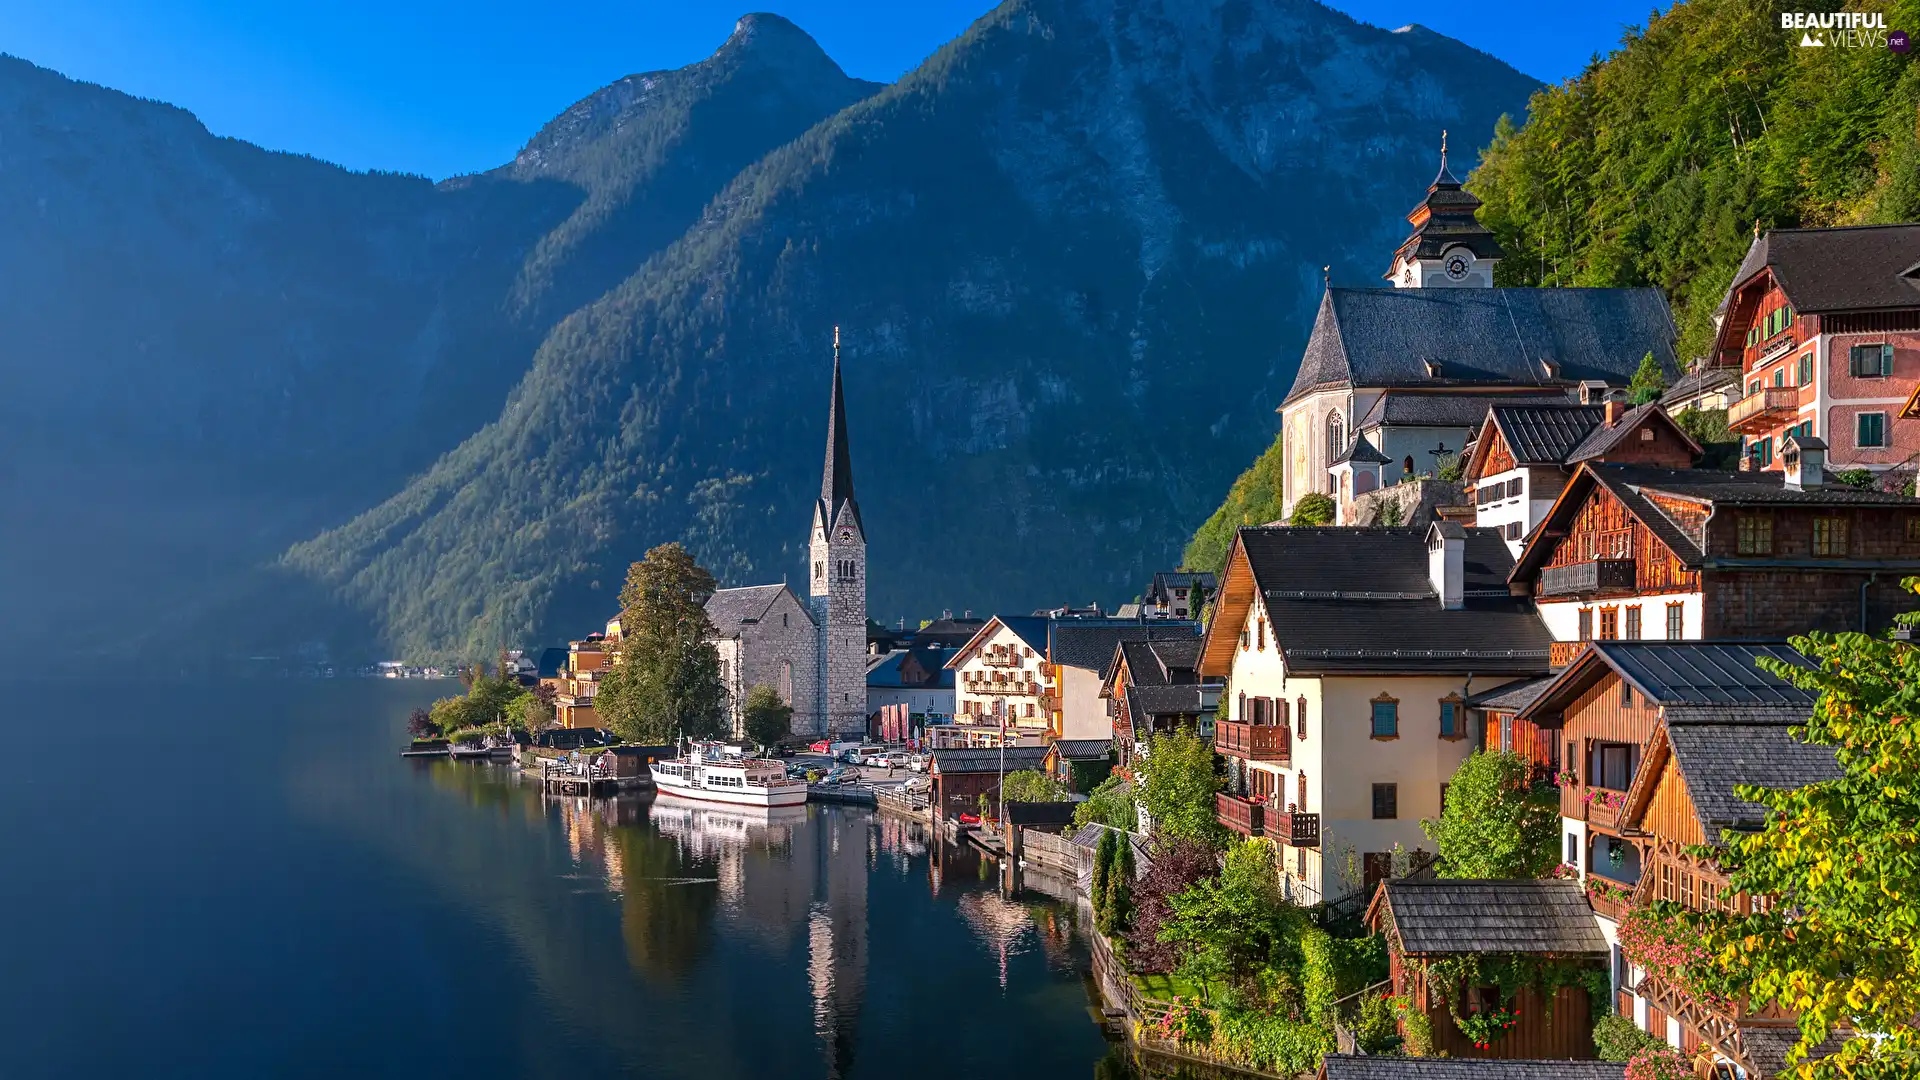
column 1514, row 526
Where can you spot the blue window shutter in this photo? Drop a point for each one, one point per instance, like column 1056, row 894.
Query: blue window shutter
column 1886, row 359
column 1386, row 719
column 1446, row 718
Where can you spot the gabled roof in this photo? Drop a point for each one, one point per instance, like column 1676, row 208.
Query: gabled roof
column 1472, row 915
column 1854, row 268
column 885, row 672
column 1090, row 643
column 1160, row 661
column 1167, row 580
column 963, row 761
column 1380, row 1067
column 731, row 609
column 1545, row 434
column 1713, row 759
column 1703, row 380
column 1359, row 600
column 1714, row 678
column 1484, row 337
column 1182, row 700
column 1603, row 439
column 1633, row 484
column 1513, row 696
column 1083, row 749
column 1030, row 629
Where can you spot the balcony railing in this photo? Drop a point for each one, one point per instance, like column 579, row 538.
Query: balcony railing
column 1255, row 742
column 1243, row 816
column 1294, row 828
column 1590, row 578
column 1001, row 661
column 1763, row 410
column 1562, row 653
column 1605, row 807
column 1609, row 900
column 1001, row 688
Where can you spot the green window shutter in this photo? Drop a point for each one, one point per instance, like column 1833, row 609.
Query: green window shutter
column 1886, row 359
column 1386, row 718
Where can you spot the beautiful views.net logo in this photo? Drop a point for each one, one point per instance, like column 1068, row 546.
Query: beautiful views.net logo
column 1846, row 29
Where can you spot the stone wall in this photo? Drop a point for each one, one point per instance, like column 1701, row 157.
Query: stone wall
column 1416, row 500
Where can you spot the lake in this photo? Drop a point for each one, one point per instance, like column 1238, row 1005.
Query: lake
column 245, row 880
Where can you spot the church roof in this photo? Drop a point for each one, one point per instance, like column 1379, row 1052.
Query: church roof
column 836, row 481
column 731, row 609
column 1445, row 218
column 1549, row 338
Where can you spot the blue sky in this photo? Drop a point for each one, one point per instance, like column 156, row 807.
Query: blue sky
column 442, row 87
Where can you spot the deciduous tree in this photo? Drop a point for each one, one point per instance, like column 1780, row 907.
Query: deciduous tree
column 665, row 680
column 1495, row 822
column 1178, row 784
column 768, row 719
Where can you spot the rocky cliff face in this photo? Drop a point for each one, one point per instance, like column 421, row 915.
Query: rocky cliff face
column 1074, row 253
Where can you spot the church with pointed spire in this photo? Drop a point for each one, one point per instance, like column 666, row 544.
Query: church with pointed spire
column 837, row 550
column 812, row 651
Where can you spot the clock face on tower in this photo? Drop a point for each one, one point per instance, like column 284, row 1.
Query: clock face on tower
column 1458, row 264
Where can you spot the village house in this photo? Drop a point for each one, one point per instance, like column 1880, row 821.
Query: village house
column 1154, row 687
column 1823, row 326
column 1545, row 923
column 1080, row 764
column 916, row 677
column 962, row 776
column 1655, row 737
column 1636, row 552
column 999, row 679
column 766, row 636
column 1177, row 594
column 588, row 660
column 1705, row 388
column 1416, row 366
column 1524, row 455
column 1081, row 651
column 1349, row 655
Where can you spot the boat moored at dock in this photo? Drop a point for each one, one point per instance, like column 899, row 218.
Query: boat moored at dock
column 720, row 773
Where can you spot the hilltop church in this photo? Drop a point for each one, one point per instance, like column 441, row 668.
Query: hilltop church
column 813, row 652
column 1397, row 379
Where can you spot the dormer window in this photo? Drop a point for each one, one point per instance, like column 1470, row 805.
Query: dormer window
column 1433, row 369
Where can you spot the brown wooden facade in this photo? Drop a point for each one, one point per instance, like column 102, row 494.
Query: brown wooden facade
column 1605, row 529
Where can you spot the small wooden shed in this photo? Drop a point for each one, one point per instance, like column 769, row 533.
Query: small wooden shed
column 1485, row 923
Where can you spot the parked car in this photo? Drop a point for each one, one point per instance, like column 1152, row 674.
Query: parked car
column 859, row 754
column 919, row 762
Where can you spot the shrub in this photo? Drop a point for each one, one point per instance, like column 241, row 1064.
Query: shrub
column 1313, row 509
column 1616, row 1039
column 1375, row 1028
column 1856, row 478
column 1110, row 804
column 1032, row 785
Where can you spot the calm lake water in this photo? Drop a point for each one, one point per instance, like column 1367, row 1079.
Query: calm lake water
column 244, row 880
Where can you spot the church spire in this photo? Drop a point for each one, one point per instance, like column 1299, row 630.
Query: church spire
column 1445, row 178
column 1448, row 245
column 836, row 482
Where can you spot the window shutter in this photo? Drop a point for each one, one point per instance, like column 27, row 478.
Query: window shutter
column 1886, row 359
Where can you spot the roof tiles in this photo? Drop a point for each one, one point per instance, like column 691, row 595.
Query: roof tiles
column 1463, row 915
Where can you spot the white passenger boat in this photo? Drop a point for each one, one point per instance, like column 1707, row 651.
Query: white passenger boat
column 719, row 773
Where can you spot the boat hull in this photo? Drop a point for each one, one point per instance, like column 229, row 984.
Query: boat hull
column 731, row 798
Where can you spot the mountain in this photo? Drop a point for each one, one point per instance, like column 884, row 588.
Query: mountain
column 215, row 350
column 1074, row 255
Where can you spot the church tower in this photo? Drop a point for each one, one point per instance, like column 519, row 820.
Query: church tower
column 1449, row 247
column 838, row 583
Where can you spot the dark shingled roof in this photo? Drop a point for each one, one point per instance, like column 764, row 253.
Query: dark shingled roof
column 1545, row 434
column 1415, row 409
column 984, row 761
column 1031, row 629
column 1361, row 452
column 1713, row 673
column 1083, row 749
column 1371, row 1067
column 1167, row 580
column 1358, row 599
column 1163, row 700
column 729, row 609
column 1471, row 915
column 1701, row 381
column 1386, row 337
column 1714, row 758
column 1162, row 661
column 1602, row 439
column 1767, row 1047
column 1859, row 268
column 1513, row 696
column 1090, row 644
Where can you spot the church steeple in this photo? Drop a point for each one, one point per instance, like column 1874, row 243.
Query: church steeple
column 838, row 551
column 1448, row 246
column 836, row 481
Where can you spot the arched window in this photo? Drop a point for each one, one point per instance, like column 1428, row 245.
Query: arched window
column 1300, row 711
column 1243, row 708
column 1303, row 790
column 1336, row 436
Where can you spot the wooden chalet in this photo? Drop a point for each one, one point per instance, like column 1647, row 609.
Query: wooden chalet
column 1365, row 1067
column 1154, row 687
column 1656, row 736
column 1081, row 764
column 1548, row 919
column 1637, row 552
column 962, row 776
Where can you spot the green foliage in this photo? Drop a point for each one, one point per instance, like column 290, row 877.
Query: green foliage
column 1856, row 478
column 493, row 699
column 1447, row 976
column 1231, row 924
column 1416, row 1027
column 1313, row 508
column 1652, row 167
column 1392, row 514
column 665, row 681
column 1254, row 499
column 1649, row 382
column 1708, row 427
column 1032, row 785
column 1843, row 851
column 1450, row 467
column 1111, row 804
column 1104, row 857
column 1271, row 1042
column 1113, row 898
column 1375, row 1027
column 1616, row 1039
column 1496, row 823
column 1178, row 784
column 768, row 719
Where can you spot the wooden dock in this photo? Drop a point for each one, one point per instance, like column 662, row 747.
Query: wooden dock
column 841, row 793
column 561, row 780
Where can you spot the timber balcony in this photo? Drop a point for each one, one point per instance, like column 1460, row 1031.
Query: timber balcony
column 1255, row 742
column 1293, row 828
column 1562, row 653
column 1244, row 816
column 1763, row 411
column 1591, row 578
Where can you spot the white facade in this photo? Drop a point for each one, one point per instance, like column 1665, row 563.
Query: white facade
column 1083, row 712
column 1563, row 617
column 1342, row 760
column 1456, row 268
column 998, row 680
column 1530, row 492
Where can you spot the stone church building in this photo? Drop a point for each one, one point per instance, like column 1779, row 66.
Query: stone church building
column 813, row 652
column 1403, row 376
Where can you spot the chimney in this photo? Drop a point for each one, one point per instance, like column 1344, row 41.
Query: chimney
column 1446, row 562
column 1804, row 459
column 1614, row 411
